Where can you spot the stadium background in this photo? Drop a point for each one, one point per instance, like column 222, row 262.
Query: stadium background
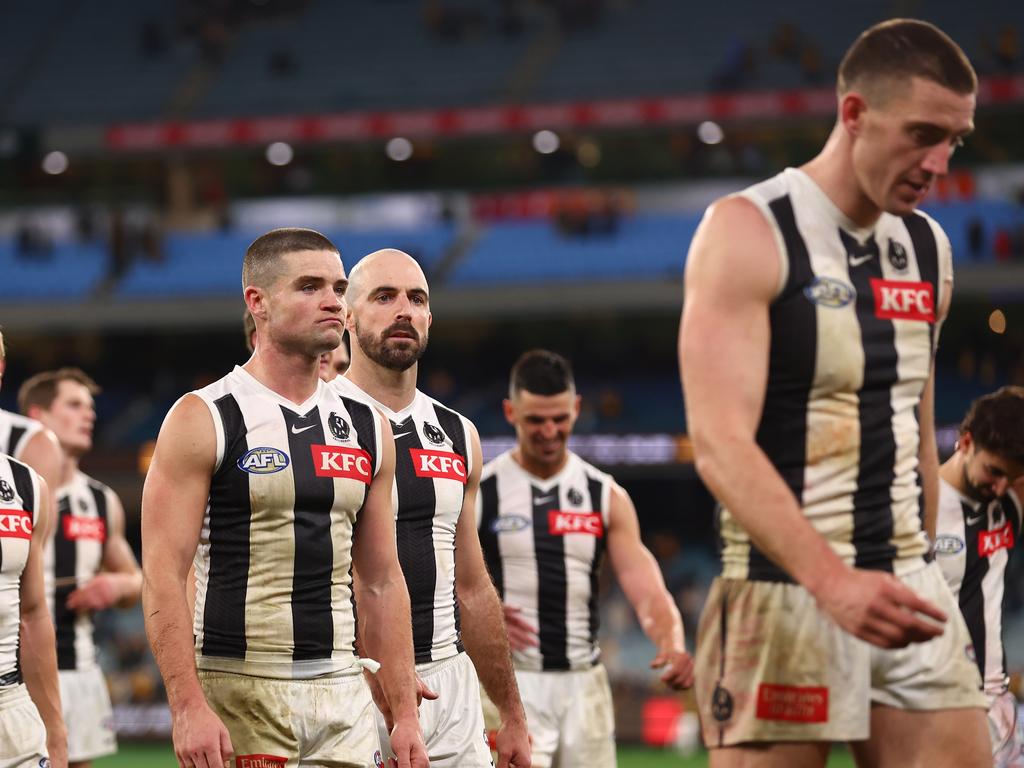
column 545, row 160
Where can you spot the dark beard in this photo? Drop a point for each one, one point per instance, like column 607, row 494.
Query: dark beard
column 976, row 492
column 394, row 359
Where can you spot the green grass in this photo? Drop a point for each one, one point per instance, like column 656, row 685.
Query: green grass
column 162, row 756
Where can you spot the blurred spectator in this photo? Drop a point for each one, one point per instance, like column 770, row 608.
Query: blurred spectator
column 976, row 238
column 33, row 242
column 1006, row 51
column 737, row 66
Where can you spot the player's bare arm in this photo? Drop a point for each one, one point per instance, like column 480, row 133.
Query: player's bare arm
column 481, row 612
column 43, row 453
column 382, row 601
column 732, row 275
column 173, row 503
column 38, row 645
column 119, row 582
column 641, row 580
column 928, row 459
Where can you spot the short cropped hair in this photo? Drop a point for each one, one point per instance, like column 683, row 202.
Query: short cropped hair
column 996, row 423
column 541, row 372
column 262, row 263
column 41, row 389
column 905, row 48
column 249, row 326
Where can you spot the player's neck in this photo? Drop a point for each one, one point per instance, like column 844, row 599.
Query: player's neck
column 292, row 375
column 394, row 389
column 68, row 468
column 832, row 170
column 538, row 470
column 952, row 471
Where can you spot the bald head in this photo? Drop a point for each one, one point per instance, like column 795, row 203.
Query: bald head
column 378, row 266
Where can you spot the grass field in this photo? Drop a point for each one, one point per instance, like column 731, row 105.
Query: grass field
column 161, row 756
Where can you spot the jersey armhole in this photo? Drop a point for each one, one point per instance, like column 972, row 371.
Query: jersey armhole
column 218, row 430
column 780, row 244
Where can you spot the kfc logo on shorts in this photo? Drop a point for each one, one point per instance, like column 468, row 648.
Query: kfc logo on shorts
column 260, row 761
column 443, row 464
column 792, row 703
column 15, row 524
column 990, row 542
column 88, row 528
column 902, row 300
column 348, row 463
column 561, row 522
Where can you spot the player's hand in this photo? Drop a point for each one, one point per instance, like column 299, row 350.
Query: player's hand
column 101, row 591
column 678, row 666
column 379, row 699
column 200, row 738
column 407, row 744
column 879, row 608
column 57, row 747
column 513, row 744
column 521, row 633
column 424, row 691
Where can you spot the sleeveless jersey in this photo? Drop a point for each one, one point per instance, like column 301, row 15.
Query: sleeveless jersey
column 853, row 334
column 73, row 555
column 15, row 432
column 274, row 564
column 433, row 461
column 544, row 541
column 19, row 508
column 973, row 544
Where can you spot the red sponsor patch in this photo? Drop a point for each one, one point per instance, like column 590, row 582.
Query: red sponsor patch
column 91, row 528
column 260, row 761
column 902, row 300
column 561, row 523
column 990, row 542
column 792, row 703
column 444, row 464
column 348, row 463
column 15, row 524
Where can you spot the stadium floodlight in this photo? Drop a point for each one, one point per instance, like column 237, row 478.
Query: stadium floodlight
column 55, row 163
column 280, row 153
column 399, row 149
column 710, row 132
column 546, row 142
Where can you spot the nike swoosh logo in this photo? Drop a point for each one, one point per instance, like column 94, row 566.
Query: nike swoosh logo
column 297, row 431
column 856, row 261
column 401, row 434
column 975, row 520
column 544, row 499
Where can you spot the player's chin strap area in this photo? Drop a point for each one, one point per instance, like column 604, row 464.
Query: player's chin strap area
column 369, row 665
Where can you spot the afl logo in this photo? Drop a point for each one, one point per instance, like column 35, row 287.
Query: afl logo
column 6, row 492
column 432, row 433
column 510, row 524
column 897, row 256
column 829, row 292
column 948, row 545
column 263, row 461
column 339, row 427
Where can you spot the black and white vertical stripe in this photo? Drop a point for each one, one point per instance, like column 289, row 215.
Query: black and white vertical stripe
column 19, row 493
column 15, row 432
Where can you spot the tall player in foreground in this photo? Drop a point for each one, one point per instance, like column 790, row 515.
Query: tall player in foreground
column 546, row 519
column 979, row 526
column 456, row 614
column 813, row 302
column 89, row 565
column 284, row 488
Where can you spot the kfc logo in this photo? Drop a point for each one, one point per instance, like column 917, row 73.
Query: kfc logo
column 990, row 542
column 561, row 523
column 443, row 464
column 90, row 528
column 15, row 524
column 348, row 463
column 792, row 703
column 899, row 300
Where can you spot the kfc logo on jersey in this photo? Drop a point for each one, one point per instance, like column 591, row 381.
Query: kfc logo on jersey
column 349, row 463
column 15, row 524
column 260, row 761
column 901, row 300
column 561, row 522
column 89, row 528
column 990, row 542
column 443, row 464
column 791, row 703
column 6, row 492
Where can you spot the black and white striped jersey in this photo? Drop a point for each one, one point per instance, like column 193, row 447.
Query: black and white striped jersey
column 19, row 508
column 274, row 564
column 433, row 461
column 73, row 555
column 973, row 544
column 15, row 432
column 543, row 541
column 853, row 334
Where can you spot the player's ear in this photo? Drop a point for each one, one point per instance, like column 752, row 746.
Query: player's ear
column 965, row 442
column 255, row 301
column 852, row 107
column 510, row 414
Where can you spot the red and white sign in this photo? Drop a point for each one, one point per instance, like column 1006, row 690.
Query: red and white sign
column 990, row 542
column 561, row 523
column 91, row 528
column 348, row 463
column 791, row 703
column 443, row 464
column 902, row 300
column 260, row 761
column 15, row 524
